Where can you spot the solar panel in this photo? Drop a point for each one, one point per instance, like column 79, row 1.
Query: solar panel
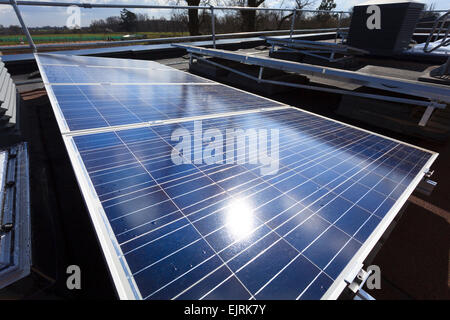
column 90, row 93
column 228, row 229
column 71, row 60
column 84, row 70
column 175, row 224
column 93, row 106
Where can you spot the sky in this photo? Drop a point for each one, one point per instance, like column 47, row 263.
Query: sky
column 53, row 16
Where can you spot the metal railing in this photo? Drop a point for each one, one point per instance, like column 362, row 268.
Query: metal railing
column 213, row 36
column 441, row 24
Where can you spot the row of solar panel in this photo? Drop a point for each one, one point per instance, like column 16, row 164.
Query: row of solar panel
column 226, row 230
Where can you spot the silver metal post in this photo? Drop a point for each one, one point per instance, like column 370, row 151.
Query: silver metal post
column 261, row 70
column 338, row 26
column 22, row 23
column 213, row 27
column 293, row 23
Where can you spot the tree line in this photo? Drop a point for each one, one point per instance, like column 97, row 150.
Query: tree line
column 198, row 22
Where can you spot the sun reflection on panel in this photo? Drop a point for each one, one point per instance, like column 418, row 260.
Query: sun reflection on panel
column 240, row 218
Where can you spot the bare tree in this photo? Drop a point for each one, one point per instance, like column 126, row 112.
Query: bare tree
column 193, row 22
column 298, row 4
column 249, row 16
column 193, row 19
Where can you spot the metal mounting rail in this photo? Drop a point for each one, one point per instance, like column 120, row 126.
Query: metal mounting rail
column 438, row 94
column 314, row 48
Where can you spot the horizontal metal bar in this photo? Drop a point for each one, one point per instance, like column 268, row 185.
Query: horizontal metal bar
column 142, row 6
column 322, row 89
column 30, row 81
column 165, row 40
column 125, row 5
column 426, row 90
column 302, row 44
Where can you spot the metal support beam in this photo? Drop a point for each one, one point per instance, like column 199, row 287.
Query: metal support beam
column 261, row 70
column 316, row 88
column 294, row 13
column 363, row 295
column 309, row 46
column 426, row 115
column 213, row 27
column 22, row 23
column 338, row 27
column 433, row 92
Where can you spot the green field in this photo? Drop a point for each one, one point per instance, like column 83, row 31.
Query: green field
column 76, row 37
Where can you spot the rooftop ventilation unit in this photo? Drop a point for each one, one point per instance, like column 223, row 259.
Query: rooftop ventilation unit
column 384, row 27
column 8, row 100
column 15, row 247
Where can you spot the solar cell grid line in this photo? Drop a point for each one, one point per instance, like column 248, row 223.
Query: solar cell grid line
column 383, row 223
column 177, row 101
column 113, row 219
column 298, row 141
column 93, row 176
column 74, row 69
column 87, row 75
column 60, row 59
column 226, row 278
column 356, row 232
column 93, row 121
column 166, row 182
column 258, row 207
column 198, row 232
column 172, row 186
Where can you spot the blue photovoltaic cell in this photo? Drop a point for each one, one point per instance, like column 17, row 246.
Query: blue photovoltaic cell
column 100, row 92
column 60, row 59
column 95, row 106
column 95, row 74
column 226, row 231
column 73, row 69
